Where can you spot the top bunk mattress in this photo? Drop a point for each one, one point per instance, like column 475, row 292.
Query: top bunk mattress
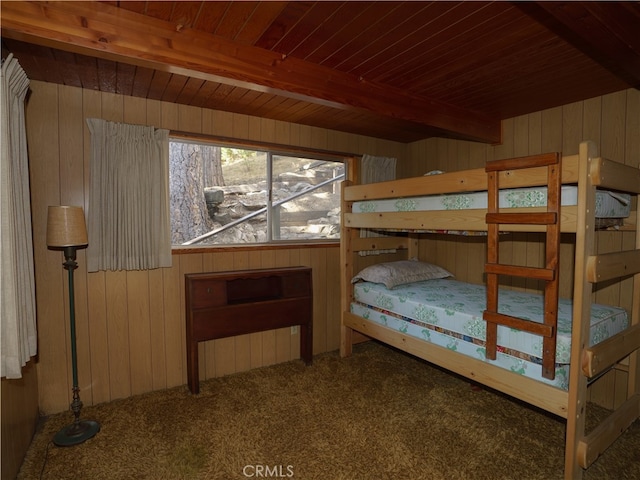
column 608, row 204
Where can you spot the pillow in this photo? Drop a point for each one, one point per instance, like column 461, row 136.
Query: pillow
column 392, row 274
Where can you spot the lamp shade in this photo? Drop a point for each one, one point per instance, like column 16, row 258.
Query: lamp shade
column 66, row 227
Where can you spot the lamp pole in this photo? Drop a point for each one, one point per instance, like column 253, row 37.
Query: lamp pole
column 79, row 430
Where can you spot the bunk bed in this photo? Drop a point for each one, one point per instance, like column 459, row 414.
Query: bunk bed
column 575, row 340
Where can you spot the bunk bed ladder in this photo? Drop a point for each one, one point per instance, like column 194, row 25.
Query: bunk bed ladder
column 549, row 274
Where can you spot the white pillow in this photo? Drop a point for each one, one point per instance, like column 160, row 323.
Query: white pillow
column 392, row 274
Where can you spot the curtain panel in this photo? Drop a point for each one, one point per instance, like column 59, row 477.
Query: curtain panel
column 17, row 278
column 128, row 215
column 376, row 169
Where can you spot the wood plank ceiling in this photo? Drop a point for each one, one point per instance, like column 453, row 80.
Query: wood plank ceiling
column 404, row 71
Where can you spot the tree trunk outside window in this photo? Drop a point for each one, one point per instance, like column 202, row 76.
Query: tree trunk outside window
column 212, row 161
column 192, row 168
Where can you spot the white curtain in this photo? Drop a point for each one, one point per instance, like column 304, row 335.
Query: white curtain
column 128, row 217
column 376, row 169
column 17, row 283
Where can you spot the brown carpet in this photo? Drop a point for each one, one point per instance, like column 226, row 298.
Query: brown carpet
column 379, row 414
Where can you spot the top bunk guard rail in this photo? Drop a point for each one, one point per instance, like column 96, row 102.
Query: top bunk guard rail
column 602, row 173
column 549, row 274
column 472, row 180
column 462, row 181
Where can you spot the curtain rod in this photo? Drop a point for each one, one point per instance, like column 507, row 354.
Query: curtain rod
column 260, row 145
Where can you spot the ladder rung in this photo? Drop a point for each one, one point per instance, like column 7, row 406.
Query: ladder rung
column 545, row 274
column 518, row 323
column 541, row 218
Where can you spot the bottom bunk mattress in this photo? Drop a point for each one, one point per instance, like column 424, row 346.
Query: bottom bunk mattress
column 448, row 313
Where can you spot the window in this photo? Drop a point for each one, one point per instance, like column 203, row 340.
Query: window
column 222, row 195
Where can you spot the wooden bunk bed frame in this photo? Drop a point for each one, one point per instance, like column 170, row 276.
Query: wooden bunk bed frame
column 588, row 171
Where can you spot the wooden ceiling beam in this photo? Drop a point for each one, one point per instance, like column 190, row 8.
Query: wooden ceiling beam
column 607, row 32
column 107, row 32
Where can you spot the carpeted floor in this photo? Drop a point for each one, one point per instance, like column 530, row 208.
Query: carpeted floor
column 379, row 414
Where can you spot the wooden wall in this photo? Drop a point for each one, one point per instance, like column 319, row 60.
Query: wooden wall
column 613, row 122
column 19, row 418
column 130, row 334
column 130, row 325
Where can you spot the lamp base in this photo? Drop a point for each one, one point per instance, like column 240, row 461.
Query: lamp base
column 76, row 433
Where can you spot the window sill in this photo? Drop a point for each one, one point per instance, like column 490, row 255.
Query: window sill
column 185, row 250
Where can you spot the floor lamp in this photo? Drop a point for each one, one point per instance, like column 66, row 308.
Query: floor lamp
column 66, row 231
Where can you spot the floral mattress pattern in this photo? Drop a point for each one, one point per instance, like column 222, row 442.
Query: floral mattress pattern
column 449, row 313
column 608, row 204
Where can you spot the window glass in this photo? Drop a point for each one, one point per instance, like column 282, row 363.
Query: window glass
column 222, row 195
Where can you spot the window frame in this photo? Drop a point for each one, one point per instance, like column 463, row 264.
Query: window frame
column 272, row 149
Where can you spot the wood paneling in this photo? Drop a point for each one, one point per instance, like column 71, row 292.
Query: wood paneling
column 612, row 121
column 19, row 418
column 130, row 325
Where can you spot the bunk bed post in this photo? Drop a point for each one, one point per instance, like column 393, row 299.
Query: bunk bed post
column 346, row 254
column 634, row 361
column 633, row 386
column 493, row 258
column 413, row 246
column 582, row 293
column 346, row 259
